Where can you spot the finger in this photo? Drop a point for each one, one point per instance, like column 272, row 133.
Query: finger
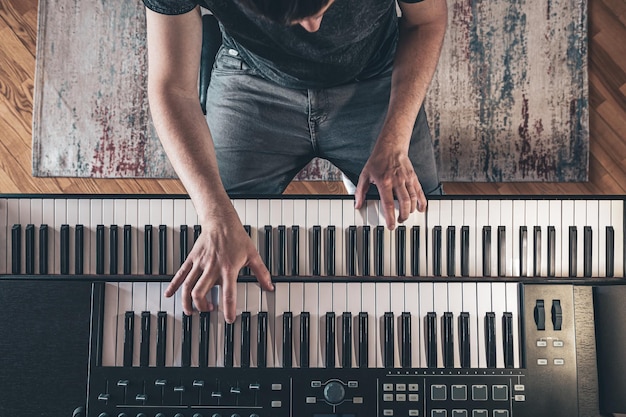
column 178, row 278
column 187, row 288
column 258, row 269
column 413, row 191
column 388, row 207
column 202, row 289
column 361, row 191
column 229, row 298
column 404, row 202
column 422, row 202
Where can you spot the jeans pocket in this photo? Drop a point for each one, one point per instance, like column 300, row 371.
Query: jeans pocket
column 228, row 61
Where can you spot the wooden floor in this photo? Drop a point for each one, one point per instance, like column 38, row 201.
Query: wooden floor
column 607, row 86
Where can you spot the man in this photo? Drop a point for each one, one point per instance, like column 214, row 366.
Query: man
column 340, row 79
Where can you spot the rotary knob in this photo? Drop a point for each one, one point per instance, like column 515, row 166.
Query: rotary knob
column 334, row 392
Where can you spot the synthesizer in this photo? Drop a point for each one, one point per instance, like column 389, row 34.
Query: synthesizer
column 479, row 307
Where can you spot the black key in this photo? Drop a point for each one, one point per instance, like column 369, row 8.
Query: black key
column 451, row 250
column 129, row 332
column 465, row 245
column 587, row 265
column 379, row 250
column 295, row 250
column 267, row 250
column 161, row 338
column 415, row 251
column 507, row 332
column 79, row 249
column 113, row 241
column 346, row 340
column 147, row 255
column 197, row 230
column 388, row 324
column 437, row 251
column 551, row 251
column 186, row 342
column 523, row 247
column 100, row 249
column 401, row 250
column 573, row 251
column 351, row 253
column 486, row 251
column 448, row 339
column 537, row 251
column 245, row 339
column 330, row 251
column 30, row 249
column 43, row 249
column 287, row 339
column 490, row 339
column 329, row 341
column 144, row 349
column 64, row 249
column 365, row 251
column 305, row 338
column 246, row 270
column 205, row 324
column 16, row 249
column 184, row 243
column 281, row 256
column 464, row 340
column 128, row 249
column 431, row 339
column 229, row 345
column 262, row 340
column 406, row 340
column 316, row 251
column 501, row 251
column 610, row 251
column 162, row 249
column 363, row 351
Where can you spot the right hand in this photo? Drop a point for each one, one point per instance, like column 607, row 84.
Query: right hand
column 222, row 249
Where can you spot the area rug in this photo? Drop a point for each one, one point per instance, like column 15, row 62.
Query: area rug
column 509, row 101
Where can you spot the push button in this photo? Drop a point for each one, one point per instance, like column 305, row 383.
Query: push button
column 438, row 393
column 500, row 392
column 480, row 413
column 459, row 413
column 459, row 393
column 479, row 392
column 439, row 413
column 500, row 413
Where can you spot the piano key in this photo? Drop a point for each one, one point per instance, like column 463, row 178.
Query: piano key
column 144, row 349
column 426, row 305
column 339, row 306
column 261, row 339
column 205, row 340
column 246, row 339
column 448, row 339
column 490, row 339
column 486, row 251
column 229, row 345
column 473, row 234
column 466, row 259
column 523, row 251
column 128, row 249
column 450, row 251
column 267, row 247
column 330, row 250
column 16, row 249
column 383, row 305
column 379, row 251
column 572, row 254
column 129, row 332
column 431, row 340
column 440, row 307
column 560, row 237
column 295, row 250
column 351, row 255
column 368, row 306
column 312, row 220
column 537, row 252
column 397, row 306
column 148, row 247
column 346, row 339
column 346, row 256
column 502, row 251
column 389, row 339
column 99, row 249
column 507, row 330
column 305, row 339
column 44, row 239
column 416, row 250
column 499, row 307
column 161, row 342
column 329, row 340
column 316, row 250
column 281, row 253
column 64, row 252
column 282, row 307
column 185, row 361
column 495, row 215
column 552, row 252
column 465, row 342
column 184, row 243
column 139, row 295
column 109, row 331
column 603, row 262
column 401, row 251
column 113, row 245
column 30, row 249
column 163, row 249
column 512, row 306
column 268, row 304
column 300, row 211
column 132, row 235
column 610, row 251
column 287, row 340
column 617, row 221
column 365, row 252
column 483, row 260
column 483, row 306
column 469, row 297
column 363, row 345
column 445, row 220
column 325, row 305
column 154, row 294
column 588, row 251
column 173, row 335
column 411, row 306
column 455, row 306
column 253, row 305
column 354, row 308
column 530, row 222
column 437, row 251
column 218, row 323
column 405, row 361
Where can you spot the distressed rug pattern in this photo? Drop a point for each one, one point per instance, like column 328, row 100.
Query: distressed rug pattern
column 509, row 101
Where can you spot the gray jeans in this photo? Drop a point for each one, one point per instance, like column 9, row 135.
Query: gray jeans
column 264, row 134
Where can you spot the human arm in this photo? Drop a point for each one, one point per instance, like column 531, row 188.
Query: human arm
column 422, row 29
column 223, row 247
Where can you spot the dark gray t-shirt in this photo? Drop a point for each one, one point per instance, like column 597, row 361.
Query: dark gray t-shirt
column 356, row 40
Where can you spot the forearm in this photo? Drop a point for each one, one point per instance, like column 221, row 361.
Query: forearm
column 416, row 59
column 187, row 141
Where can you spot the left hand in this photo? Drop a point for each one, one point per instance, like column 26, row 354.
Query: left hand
column 392, row 172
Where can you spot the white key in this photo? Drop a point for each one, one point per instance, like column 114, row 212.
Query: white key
column 512, row 306
column 253, row 305
column 354, row 307
column 296, row 306
column 455, row 306
column 440, row 306
column 494, row 222
column 125, row 303
column 241, row 307
column 120, row 220
column 482, row 220
column 143, row 219
column 179, row 219
column 336, row 219
column 177, row 330
column 434, row 220
column 469, row 219
column 324, row 221
column 288, row 222
column 498, row 302
column 153, row 305
column 339, row 297
column 604, row 220
column 555, row 221
column 299, row 210
column 506, row 220
column 139, row 295
column 54, row 235
column 530, row 221
column 268, row 303
column 543, row 220
column 397, row 307
column 368, row 305
column 325, row 305
column 312, row 219
column 131, row 219
column 5, row 267
column 276, row 216
column 426, row 305
column 567, row 220
column 348, row 219
column 72, row 221
column 617, row 216
column 110, row 324
column 445, row 220
column 457, row 220
column 155, row 220
column 518, row 219
column 416, row 219
column 168, row 306
column 412, row 306
column 167, row 219
column 48, row 219
column 281, row 304
column 483, row 305
column 597, row 245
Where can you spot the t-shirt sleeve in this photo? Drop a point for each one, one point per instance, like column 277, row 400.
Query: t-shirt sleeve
column 170, row 7
column 410, row 1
